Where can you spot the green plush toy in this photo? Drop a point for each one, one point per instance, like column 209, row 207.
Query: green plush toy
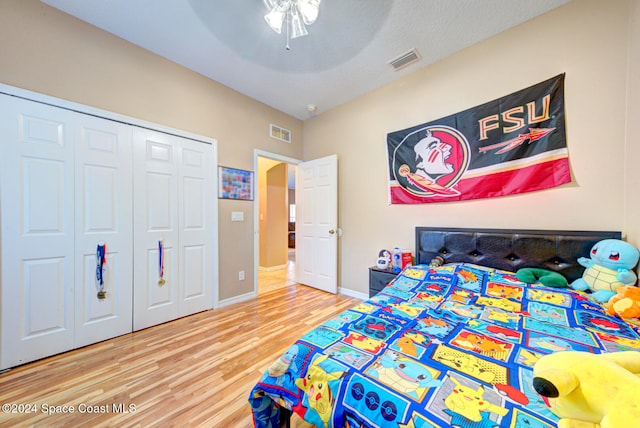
column 543, row 276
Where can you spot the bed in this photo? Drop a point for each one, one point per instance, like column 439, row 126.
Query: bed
column 445, row 346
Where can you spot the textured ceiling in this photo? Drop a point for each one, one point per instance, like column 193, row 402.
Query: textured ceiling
column 345, row 55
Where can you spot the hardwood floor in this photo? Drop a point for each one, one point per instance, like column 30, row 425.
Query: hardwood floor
column 195, row 371
column 272, row 280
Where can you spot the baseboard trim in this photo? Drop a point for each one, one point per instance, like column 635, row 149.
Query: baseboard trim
column 253, row 295
column 237, row 299
column 271, row 268
column 352, row 293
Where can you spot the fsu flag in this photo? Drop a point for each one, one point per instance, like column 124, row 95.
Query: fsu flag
column 511, row 145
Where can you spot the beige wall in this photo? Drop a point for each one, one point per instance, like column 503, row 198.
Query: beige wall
column 47, row 51
column 273, row 213
column 264, row 165
column 632, row 155
column 277, row 215
column 586, row 39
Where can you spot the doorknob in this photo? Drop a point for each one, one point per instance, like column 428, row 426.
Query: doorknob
column 331, row 232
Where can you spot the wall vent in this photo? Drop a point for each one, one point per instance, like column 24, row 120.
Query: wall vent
column 405, row 59
column 280, row 133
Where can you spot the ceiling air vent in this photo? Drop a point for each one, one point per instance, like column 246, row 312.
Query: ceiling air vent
column 405, row 59
column 280, row 133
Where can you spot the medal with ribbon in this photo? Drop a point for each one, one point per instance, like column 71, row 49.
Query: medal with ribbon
column 101, row 264
column 161, row 280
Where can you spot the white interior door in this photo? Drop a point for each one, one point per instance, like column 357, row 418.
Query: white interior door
column 37, row 211
column 173, row 204
column 103, row 216
column 317, row 223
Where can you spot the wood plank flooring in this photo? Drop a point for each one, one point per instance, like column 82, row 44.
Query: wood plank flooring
column 192, row 372
column 271, row 280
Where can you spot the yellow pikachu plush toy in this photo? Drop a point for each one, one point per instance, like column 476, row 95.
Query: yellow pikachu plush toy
column 590, row 390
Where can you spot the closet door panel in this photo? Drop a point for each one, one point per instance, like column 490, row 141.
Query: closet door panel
column 44, row 294
column 156, row 236
column 161, row 217
column 174, row 195
column 160, row 205
column 36, row 186
column 194, row 279
column 198, row 193
column 104, row 205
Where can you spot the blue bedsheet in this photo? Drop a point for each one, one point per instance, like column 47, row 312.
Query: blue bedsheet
column 452, row 346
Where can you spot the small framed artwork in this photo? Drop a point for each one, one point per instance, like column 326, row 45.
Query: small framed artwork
column 235, row 184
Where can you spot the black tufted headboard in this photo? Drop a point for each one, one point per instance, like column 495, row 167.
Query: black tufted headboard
column 510, row 249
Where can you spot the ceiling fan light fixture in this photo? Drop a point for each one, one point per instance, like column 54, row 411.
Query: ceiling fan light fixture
column 297, row 26
column 275, row 19
column 270, row 3
column 309, row 10
column 294, row 14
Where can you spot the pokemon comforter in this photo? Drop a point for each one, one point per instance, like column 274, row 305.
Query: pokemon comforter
column 452, row 346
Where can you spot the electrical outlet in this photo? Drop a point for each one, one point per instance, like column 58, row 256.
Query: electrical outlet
column 241, row 275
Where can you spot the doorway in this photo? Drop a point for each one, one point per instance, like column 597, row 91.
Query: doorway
column 275, row 253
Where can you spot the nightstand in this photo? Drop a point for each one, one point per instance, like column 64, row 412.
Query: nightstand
column 378, row 279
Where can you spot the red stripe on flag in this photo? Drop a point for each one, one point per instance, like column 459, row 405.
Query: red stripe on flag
column 528, row 179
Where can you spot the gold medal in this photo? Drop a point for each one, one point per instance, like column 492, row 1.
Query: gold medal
column 102, row 294
column 161, row 281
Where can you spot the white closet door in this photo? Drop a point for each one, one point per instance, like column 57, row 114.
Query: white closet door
column 197, row 198
column 173, row 204
column 155, row 193
column 104, row 199
column 70, row 181
column 37, row 211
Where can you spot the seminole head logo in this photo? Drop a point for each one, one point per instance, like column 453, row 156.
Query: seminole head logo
column 431, row 160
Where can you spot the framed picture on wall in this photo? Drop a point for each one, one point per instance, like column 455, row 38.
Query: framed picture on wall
column 235, row 184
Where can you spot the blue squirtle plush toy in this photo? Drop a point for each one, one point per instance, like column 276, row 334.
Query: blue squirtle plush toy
column 609, row 268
